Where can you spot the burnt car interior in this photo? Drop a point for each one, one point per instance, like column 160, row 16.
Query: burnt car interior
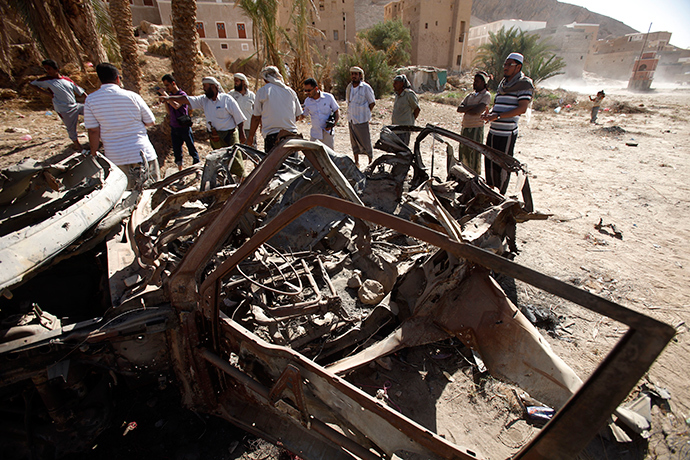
column 257, row 300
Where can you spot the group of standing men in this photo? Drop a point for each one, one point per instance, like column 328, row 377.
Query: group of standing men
column 119, row 118
column 513, row 96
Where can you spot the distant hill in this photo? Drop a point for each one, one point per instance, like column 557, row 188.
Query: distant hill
column 553, row 12
column 370, row 12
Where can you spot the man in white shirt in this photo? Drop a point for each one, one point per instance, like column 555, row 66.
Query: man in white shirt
column 276, row 108
column 63, row 90
column 119, row 118
column 319, row 105
column 360, row 101
column 245, row 99
column 224, row 118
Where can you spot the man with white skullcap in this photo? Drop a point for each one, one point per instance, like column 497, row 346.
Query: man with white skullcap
column 360, row 101
column 223, row 117
column 405, row 107
column 276, row 108
column 245, row 99
column 513, row 97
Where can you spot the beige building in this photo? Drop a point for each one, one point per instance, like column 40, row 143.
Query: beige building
column 144, row 10
column 614, row 58
column 222, row 25
column 572, row 42
column 438, row 29
column 335, row 21
column 479, row 35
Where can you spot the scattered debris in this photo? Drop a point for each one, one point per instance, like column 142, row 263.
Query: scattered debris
column 601, row 226
column 540, row 413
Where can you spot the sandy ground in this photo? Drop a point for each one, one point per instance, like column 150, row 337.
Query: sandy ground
column 581, row 174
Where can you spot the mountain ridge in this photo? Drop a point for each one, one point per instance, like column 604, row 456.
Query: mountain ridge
column 555, row 13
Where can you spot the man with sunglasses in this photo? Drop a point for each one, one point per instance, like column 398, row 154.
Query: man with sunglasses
column 320, row 105
column 513, row 97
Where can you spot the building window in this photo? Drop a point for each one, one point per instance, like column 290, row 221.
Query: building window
column 322, row 5
column 200, row 29
column 426, row 25
column 241, row 30
column 220, row 26
column 223, row 46
column 245, row 47
column 335, row 35
column 436, row 22
column 459, row 60
column 148, row 2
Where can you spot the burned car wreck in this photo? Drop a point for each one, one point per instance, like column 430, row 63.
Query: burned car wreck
column 259, row 299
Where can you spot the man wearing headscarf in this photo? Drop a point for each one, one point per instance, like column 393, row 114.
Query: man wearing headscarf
column 405, row 107
column 276, row 108
column 245, row 99
column 472, row 107
column 360, row 101
column 224, row 118
column 513, row 97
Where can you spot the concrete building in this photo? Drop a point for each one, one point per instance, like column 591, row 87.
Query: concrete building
column 572, row 42
column 222, row 25
column 614, row 58
column 438, row 29
column 335, row 20
column 144, row 10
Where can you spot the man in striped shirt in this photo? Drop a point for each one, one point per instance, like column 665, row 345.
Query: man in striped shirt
column 513, row 97
column 119, row 118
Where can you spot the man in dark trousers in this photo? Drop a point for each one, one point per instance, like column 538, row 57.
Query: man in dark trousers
column 179, row 133
column 513, row 97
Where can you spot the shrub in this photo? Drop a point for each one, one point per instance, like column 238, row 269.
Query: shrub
column 393, row 38
column 377, row 72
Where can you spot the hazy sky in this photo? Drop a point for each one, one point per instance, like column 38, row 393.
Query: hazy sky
column 665, row 15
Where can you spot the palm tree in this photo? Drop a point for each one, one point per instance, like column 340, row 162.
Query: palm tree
column 264, row 16
column 302, row 64
column 185, row 58
column 48, row 26
column 540, row 61
column 82, row 20
column 121, row 15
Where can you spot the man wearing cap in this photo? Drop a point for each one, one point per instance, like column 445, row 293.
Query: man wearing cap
column 360, row 101
column 224, row 118
column 320, row 105
column 472, row 107
column 119, row 118
column 405, row 107
column 245, row 99
column 276, row 108
column 513, row 97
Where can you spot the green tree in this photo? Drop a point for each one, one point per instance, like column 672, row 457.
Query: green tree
column 540, row 61
column 377, row 72
column 393, row 38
